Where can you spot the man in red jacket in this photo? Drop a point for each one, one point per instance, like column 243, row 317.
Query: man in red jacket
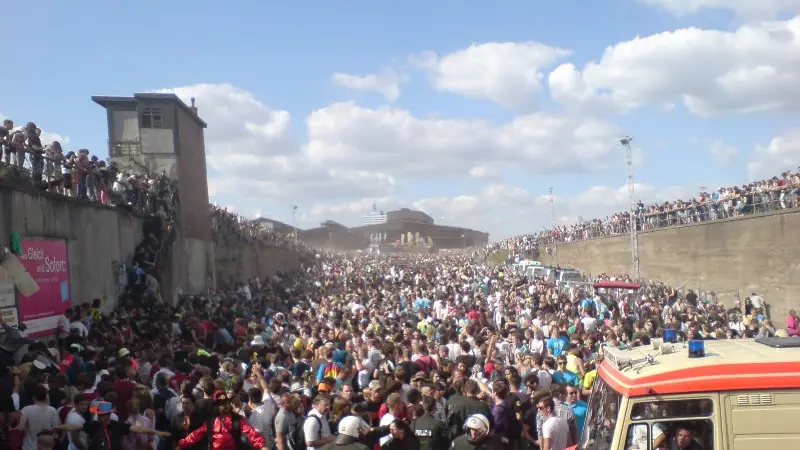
column 224, row 430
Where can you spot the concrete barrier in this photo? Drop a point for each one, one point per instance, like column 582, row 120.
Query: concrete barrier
column 100, row 240
column 238, row 260
column 752, row 254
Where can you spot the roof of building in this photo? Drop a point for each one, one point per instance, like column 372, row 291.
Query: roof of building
column 106, row 100
column 728, row 365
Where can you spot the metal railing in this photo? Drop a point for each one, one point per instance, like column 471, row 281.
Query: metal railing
column 679, row 214
column 94, row 183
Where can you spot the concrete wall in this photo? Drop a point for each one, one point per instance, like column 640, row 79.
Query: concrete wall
column 751, row 254
column 99, row 239
column 238, row 261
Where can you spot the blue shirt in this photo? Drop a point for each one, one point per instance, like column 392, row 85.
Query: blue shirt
column 579, row 408
column 558, row 345
column 566, row 378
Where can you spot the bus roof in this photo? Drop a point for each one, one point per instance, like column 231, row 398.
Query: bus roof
column 729, row 365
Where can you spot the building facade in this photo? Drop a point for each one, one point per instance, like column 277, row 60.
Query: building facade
column 373, row 218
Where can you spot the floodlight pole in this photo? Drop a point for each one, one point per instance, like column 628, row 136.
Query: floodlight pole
column 294, row 223
column 626, row 142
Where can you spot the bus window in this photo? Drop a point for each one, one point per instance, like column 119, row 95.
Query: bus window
column 672, row 409
column 666, row 435
column 601, row 418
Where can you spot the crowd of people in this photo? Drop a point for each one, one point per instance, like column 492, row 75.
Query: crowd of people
column 80, row 175
column 353, row 351
column 774, row 194
column 232, row 224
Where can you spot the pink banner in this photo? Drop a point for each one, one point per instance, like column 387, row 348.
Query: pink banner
column 46, row 261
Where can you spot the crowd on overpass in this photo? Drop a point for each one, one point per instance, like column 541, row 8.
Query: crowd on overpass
column 86, row 177
column 773, row 194
column 82, row 176
column 230, row 223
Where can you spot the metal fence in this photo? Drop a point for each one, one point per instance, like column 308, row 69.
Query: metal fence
column 99, row 183
column 676, row 214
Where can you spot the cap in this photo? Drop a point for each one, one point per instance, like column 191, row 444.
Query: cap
column 101, row 408
column 257, row 340
column 419, row 376
column 374, row 384
column 123, row 352
column 350, row 429
column 477, row 422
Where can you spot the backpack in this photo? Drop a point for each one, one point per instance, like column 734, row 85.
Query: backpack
column 331, row 370
column 426, row 364
column 63, row 412
column 296, row 440
column 514, row 411
column 166, row 411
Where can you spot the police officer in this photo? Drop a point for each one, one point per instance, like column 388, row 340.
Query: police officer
column 460, row 408
column 351, row 430
column 479, row 436
column 432, row 433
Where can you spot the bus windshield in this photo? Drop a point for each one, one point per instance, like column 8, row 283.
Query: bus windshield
column 571, row 276
column 601, row 418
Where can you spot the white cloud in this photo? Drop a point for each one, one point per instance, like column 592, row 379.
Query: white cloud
column 712, row 72
column 393, row 140
column 386, row 83
column 484, row 172
column 238, row 122
column 752, row 9
column 353, row 153
column 781, row 154
column 507, row 73
column 722, row 153
column 251, row 147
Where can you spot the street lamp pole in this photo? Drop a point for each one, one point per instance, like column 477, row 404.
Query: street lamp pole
column 626, row 142
column 294, row 222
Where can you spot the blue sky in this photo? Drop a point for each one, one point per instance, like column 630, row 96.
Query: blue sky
column 430, row 131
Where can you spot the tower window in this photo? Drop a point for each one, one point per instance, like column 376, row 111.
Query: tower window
column 151, row 118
